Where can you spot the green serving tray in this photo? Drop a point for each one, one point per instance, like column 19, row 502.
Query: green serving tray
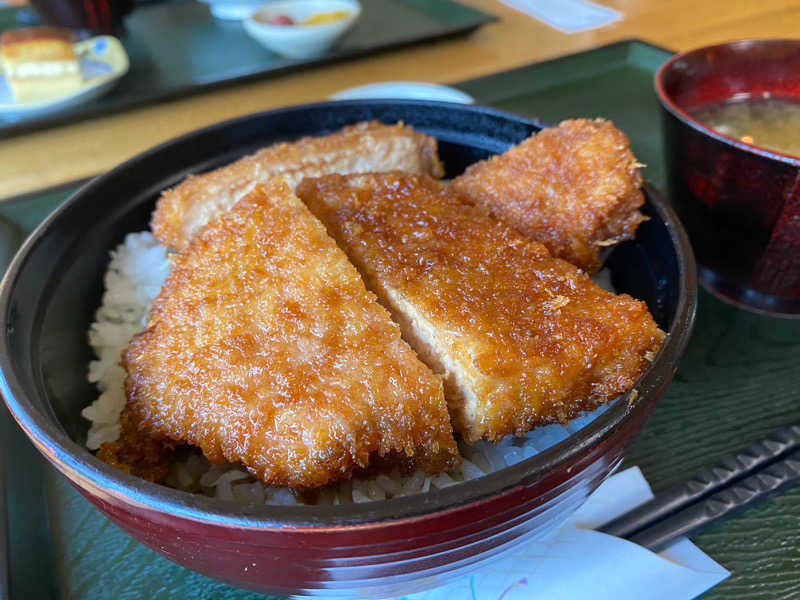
column 178, row 48
column 737, row 383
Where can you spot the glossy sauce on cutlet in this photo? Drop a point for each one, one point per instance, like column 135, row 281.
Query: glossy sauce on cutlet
column 537, row 339
column 137, row 452
column 265, row 348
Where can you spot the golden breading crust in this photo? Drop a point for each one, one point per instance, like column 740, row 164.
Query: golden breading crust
column 575, row 188
column 265, row 348
column 137, row 452
column 522, row 338
column 183, row 210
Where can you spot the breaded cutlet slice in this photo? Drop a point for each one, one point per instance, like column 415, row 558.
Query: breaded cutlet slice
column 137, row 452
column 265, row 348
column 575, row 188
column 521, row 338
column 368, row 146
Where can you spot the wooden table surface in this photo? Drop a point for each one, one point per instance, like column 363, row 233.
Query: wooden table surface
column 52, row 157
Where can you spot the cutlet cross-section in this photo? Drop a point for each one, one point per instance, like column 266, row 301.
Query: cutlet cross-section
column 265, row 348
column 522, row 338
column 369, row 146
column 575, row 188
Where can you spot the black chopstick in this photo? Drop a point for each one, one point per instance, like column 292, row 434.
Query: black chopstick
column 714, row 492
column 727, row 502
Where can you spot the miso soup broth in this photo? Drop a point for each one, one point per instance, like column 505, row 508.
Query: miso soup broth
column 772, row 123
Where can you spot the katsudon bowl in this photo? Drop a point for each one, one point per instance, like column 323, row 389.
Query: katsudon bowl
column 376, row 549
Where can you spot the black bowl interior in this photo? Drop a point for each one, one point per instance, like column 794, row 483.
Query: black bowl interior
column 54, row 286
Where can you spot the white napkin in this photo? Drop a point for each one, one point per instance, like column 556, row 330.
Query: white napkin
column 577, row 562
column 569, row 16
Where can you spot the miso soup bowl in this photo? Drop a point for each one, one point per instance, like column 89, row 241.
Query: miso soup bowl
column 375, row 549
column 738, row 201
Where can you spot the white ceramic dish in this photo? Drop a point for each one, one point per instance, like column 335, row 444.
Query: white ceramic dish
column 103, row 61
column 300, row 41
column 408, row 90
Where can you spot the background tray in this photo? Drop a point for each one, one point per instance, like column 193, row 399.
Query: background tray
column 736, row 384
column 174, row 50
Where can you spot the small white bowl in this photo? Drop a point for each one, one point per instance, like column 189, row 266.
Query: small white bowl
column 300, row 41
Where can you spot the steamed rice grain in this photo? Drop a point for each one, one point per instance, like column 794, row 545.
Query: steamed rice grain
column 134, row 278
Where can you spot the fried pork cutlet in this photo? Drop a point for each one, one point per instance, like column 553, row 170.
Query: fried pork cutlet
column 575, row 188
column 265, row 348
column 183, row 210
column 522, row 338
column 137, row 452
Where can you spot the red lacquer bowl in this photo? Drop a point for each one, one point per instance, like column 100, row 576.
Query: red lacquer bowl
column 740, row 203
column 376, row 549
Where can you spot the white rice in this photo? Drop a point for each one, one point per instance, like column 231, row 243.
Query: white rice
column 135, row 275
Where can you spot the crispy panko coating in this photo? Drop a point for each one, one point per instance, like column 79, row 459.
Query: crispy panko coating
column 265, row 348
column 575, row 188
column 369, row 146
column 137, row 452
column 522, row 339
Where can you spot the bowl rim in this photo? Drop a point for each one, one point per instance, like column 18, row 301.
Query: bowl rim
column 88, row 473
column 670, row 105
